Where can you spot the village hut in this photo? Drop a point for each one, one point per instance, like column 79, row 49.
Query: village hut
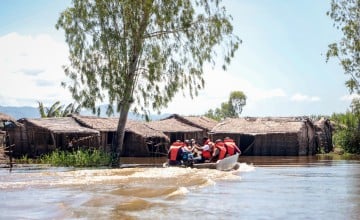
column 47, row 134
column 9, row 137
column 177, row 130
column 269, row 136
column 138, row 134
column 139, row 139
column 323, row 129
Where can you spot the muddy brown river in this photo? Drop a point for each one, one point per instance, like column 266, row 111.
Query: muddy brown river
column 263, row 188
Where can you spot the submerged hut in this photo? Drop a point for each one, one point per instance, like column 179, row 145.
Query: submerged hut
column 8, row 131
column 139, row 139
column 269, row 136
column 324, row 129
column 47, row 134
column 138, row 134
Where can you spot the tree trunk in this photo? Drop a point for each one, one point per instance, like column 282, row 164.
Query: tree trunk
column 120, row 134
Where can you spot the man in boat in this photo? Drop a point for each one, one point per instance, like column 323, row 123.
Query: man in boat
column 231, row 147
column 175, row 153
column 206, row 150
column 219, row 152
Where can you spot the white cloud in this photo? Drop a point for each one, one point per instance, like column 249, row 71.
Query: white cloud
column 218, row 86
column 349, row 97
column 31, row 70
column 298, row 97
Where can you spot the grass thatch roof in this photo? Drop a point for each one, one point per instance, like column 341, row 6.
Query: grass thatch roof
column 60, row 125
column 110, row 125
column 252, row 125
column 98, row 123
column 172, row 125
column 7, row 118
column 143, row 129
column 202, row 122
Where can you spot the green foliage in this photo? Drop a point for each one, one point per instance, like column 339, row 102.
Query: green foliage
column 236, row 103
column 78, row 158
column 138, row 54
column 25, row 160
column 143, row 51
column 231, row 109
column 57, row 110
column 346, row 17
column 347, row 129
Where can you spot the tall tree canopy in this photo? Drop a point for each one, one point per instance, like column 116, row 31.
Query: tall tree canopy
column 139, row 53
column 231, row 109
column 346, row 16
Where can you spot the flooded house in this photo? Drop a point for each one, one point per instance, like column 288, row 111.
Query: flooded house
column 44, row 135
column 139, row 139
column 269, row 136
column 9, row 135
column 324, row 130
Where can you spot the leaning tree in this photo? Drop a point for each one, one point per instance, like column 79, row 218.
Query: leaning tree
column 137, row 54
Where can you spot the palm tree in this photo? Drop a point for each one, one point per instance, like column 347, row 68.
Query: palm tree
column 56, row 110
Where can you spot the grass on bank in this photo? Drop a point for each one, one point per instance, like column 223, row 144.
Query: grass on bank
column 76, row 158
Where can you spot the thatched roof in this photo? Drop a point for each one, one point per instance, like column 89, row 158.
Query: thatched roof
column 143, row 129
column 110, row 125
column 172, row 125
column 4, row 118
column 202, row 122
column 97, row 123
column 60, row 125
column 322, row 123
column 252, row 125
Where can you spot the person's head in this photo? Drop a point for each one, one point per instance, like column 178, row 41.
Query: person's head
column 218, row 140
column 205, row 139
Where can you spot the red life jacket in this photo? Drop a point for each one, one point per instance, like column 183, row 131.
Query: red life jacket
column 207, row 153
column 222, row 148
column 231, row 146
column 174, row 152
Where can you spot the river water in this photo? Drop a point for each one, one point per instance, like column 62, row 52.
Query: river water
column 262, row 188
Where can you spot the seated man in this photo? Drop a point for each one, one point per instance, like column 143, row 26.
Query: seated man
column 206, row 150
column 219, row 152
column 231, row 147
column 175, row 153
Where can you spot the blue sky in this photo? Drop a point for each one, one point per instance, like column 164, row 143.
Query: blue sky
column 280, row 66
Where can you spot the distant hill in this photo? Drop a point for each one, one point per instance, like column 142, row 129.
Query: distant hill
column 20, row 112
column 33, row 112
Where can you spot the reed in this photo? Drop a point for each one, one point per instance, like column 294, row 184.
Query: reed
column 77, row 158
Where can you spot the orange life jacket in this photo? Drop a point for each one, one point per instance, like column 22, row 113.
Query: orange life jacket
column 230, row 146
column 222, row 148
column 174, row 150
